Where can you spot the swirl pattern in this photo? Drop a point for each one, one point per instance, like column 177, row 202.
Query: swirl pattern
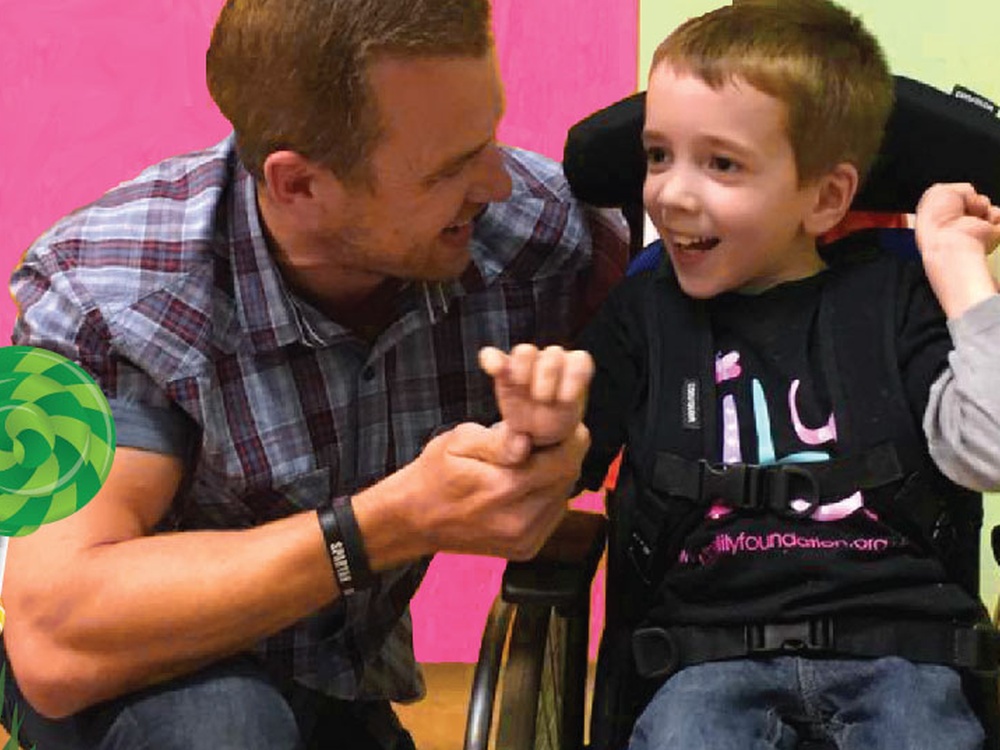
column 57, row 441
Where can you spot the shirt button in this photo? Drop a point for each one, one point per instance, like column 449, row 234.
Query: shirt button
column 368, row 373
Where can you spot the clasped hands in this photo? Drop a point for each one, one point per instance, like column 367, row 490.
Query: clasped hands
column 502, row 490
column 541, row 393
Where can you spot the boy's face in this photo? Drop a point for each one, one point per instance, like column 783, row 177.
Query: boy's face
column 722, row 186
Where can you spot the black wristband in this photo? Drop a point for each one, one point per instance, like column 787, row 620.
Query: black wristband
column 344, row 545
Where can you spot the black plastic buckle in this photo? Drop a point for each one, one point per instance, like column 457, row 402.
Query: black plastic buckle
column 654, row 652
column 788, row 482
column 739, row 485
column 978, row 647
column 753, row 487
column 790, row 637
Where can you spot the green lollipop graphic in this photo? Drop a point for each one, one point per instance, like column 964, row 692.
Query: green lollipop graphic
column 57, row 441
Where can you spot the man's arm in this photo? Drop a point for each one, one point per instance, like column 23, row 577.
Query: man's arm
column 98, row 606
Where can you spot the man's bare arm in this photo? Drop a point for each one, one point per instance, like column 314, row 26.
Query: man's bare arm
column 98, row 606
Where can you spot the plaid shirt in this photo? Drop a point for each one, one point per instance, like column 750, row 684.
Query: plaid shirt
column 164, row 290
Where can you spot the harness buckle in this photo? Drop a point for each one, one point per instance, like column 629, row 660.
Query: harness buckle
column 790, row 482
column 739, row 485
column 654, row 652
column 754, row 487
column 978, row 647
column 790, row 637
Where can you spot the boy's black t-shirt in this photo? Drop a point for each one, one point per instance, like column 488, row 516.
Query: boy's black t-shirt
column 774, row 406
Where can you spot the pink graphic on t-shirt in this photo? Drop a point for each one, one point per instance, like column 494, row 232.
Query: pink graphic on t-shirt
column 718, row 510
column 744, row 543
column 731, row 451
column 809, row 435
column 727, row 367
column 835, row 511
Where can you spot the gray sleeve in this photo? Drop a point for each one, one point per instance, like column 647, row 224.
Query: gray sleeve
column 161, row 429
column 962, row 421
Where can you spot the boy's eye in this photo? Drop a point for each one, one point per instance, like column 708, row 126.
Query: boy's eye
column 656, row 155
column 725, row 164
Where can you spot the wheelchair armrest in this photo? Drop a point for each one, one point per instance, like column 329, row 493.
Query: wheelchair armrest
column 561, row 573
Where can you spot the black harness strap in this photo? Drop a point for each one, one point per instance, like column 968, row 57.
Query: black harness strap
column 756, row 487
column 660, row 652
column 882, row 441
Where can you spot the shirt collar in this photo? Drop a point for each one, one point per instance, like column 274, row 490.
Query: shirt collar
column 268, row 311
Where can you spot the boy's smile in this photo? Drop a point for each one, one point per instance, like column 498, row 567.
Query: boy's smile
column 722, row 186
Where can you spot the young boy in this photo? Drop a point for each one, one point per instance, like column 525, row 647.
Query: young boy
column 782, row 521
column 956, row 229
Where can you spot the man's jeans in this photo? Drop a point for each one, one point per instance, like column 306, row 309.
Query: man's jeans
column 860, row 705
column 229, row 706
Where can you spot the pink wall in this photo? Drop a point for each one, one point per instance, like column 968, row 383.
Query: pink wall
column 92, row 91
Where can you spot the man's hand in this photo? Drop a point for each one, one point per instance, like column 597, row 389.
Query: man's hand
column 476, row 490
column 541, row 393
column 956, row 228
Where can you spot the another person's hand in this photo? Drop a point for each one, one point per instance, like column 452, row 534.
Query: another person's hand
column 540, row 393
column 956, row 228
column 481, row 490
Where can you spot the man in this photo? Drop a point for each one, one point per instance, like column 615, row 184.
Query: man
column 285, row 325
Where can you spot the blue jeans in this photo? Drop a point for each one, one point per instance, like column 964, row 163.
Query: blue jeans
column 858, row 704
column 232, row 705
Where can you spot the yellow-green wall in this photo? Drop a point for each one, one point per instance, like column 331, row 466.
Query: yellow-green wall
column 939, row 42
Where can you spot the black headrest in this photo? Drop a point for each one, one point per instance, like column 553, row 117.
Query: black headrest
column 931, row 137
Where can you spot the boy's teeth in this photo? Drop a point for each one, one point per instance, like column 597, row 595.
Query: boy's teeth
column 695, row 243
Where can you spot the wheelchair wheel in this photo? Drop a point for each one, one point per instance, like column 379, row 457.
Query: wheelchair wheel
column 549, row 732
column 532, row 701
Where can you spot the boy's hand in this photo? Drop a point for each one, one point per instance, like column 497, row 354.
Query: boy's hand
column 540, row 393
column 953, row 217
column 956, row 228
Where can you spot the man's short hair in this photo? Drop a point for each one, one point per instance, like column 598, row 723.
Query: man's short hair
column 813, row 55
column 293, row 74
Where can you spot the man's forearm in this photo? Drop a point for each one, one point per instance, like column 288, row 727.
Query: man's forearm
column 126, row 610
column 136, row 612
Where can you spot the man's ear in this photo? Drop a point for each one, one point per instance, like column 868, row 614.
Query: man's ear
column 833, row 193
column 293, row 182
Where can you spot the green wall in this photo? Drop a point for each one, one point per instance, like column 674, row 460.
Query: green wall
column 940, row 43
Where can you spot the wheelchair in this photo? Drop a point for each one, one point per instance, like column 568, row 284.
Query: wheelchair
column 541, row 618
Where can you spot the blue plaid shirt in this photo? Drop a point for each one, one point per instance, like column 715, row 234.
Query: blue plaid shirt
column 164, row 290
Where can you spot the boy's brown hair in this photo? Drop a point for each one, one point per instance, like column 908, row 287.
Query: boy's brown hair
column 293, row 74
column 813, row 55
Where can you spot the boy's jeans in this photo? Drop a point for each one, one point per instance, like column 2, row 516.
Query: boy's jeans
column 231, row 705
column 860, row 704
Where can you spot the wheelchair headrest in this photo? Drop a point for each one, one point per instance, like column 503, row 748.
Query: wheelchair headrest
column 931, row 137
